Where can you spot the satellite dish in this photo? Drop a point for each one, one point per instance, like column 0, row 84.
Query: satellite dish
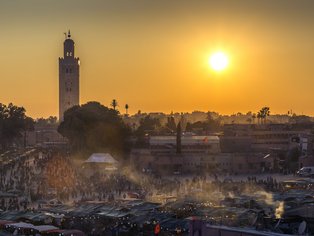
column 302, row 228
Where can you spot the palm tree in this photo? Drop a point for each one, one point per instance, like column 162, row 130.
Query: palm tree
column 259, row 117
column 126, row 108
column 253, row 118
column 114, row 104
column 264, row 113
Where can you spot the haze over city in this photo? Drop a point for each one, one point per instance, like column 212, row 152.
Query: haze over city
column 154, row 55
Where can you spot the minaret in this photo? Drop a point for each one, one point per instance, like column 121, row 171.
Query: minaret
column 69, row 77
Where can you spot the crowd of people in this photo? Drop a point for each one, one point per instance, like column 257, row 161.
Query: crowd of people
column 36, row 175
column 26, row 178
column 32, row 179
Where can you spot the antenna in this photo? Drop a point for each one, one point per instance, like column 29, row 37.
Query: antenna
column 65, row 35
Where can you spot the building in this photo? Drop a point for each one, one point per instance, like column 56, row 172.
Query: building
column 69, row 77
column 161, row 154
column 45, row 135
column 284, row 142
column 260, row 138
column 190, row 144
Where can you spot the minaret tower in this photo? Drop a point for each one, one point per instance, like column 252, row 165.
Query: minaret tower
column 69, row 77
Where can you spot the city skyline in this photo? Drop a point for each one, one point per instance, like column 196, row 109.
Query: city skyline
column 154, row 55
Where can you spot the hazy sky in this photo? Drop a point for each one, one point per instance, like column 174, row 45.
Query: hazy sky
column 153, row 54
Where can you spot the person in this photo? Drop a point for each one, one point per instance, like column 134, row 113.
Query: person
column 157, row 229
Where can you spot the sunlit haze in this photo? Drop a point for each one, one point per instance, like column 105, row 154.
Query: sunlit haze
column 149, row 53
column 156, row 117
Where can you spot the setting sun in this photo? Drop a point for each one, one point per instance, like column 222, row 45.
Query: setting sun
column 218, row 61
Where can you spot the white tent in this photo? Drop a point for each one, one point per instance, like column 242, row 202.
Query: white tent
column 104, row 158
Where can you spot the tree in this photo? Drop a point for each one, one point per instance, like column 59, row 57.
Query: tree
column 189, row 127
column 204, row 127
column 253, row 117
column 249, row 120
column 264, row 112
column 171, row 124
column 212, row 124
column 114, row 104
column 13, row 122
column 126, row 108
column 51, row 120
column 28, row 126
column 148, row 125
column 94, row 127
column 259, row 117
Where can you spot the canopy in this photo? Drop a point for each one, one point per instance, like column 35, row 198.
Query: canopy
column 21, row 225
column 43, row 228
column 105, row 158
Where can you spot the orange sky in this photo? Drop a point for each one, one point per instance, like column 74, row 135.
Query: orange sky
column 153, row 55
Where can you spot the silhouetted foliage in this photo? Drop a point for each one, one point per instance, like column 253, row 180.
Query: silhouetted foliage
column 95, row 128
column 114, row 104
column 13, row 122
column 126, row 108
column 199, row 127
column 205, row 127
column 28, row 126
column 189, row 127
column 148, row 125
column 263, row 113
column 47, row 121
column 171, row 124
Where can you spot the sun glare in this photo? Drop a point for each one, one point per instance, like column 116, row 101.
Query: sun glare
column 218, row 61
